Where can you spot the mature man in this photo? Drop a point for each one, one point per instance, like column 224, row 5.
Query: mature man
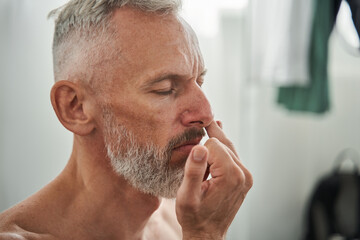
column 128, row 76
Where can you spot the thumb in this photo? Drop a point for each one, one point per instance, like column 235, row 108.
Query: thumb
column 195, row 169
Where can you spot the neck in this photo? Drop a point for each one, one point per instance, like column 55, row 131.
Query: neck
column 100, row 200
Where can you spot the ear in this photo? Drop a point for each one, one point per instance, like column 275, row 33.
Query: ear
column 68, row 101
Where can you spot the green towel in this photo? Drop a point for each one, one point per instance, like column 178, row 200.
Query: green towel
column 315, row 96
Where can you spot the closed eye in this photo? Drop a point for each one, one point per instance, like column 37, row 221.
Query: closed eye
column 164, row 93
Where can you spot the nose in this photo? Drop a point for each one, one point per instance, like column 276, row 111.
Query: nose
column 197, row 110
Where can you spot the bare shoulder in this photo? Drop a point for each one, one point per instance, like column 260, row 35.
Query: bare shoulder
column 6, row 226
column 163, row 224
column 9, row 230
column 11, row 236
column 24, row 235
column 17, row 233
column 10, row 227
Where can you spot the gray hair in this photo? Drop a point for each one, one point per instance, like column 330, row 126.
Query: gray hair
column 81, row 26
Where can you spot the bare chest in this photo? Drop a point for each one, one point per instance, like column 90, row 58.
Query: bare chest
column 162, row 226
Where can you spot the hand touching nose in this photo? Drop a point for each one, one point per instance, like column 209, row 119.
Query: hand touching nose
column 205, row 209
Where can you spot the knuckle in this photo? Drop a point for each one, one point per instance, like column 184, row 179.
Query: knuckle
column 239, row 177
column 235, row 178
column 244, row 178
column 249, row 180
column 241, row 180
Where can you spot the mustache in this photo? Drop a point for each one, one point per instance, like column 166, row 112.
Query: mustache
column 188, row 135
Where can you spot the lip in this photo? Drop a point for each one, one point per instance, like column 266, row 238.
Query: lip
column 188, row 145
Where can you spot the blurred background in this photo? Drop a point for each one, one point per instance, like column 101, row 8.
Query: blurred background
column 255, row 52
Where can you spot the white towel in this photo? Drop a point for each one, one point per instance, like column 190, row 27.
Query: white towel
column 280, row 38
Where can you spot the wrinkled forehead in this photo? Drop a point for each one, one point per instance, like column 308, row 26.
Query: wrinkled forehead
column 141, row 34
column 135, row 23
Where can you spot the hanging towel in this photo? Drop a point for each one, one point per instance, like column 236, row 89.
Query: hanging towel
column 355, row 13
column 280, row 34
column 315, row 96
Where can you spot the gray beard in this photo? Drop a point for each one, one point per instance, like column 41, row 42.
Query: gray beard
column 146, row 167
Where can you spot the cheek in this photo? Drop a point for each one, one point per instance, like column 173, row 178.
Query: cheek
column 148, row 121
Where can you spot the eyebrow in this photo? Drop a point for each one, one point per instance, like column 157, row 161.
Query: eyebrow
column 170, row 76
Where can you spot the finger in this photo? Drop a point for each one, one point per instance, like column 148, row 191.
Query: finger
column 241, row 165
column 195, row 168
column 219, row 123
column 220, row 159
column 225, row 168
column 234, row 157
column 214, row 130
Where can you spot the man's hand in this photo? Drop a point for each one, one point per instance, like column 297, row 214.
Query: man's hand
column 206, row 208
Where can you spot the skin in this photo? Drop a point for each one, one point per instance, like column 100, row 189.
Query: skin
column 157, row 96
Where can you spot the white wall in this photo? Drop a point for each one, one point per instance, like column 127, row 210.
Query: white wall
column 290, row 151
column 286, row 152
column 34, row 147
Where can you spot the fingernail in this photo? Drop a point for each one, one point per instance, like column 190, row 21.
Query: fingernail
column 199, row 154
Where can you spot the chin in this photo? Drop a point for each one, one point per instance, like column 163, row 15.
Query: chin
column 178, row 158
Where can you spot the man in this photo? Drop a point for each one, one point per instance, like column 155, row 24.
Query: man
column 128, row 78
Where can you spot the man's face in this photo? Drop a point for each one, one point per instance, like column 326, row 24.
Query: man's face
column 145, row 166
column 154, row 101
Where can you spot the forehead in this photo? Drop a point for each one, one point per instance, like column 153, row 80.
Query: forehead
column 150, row 43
